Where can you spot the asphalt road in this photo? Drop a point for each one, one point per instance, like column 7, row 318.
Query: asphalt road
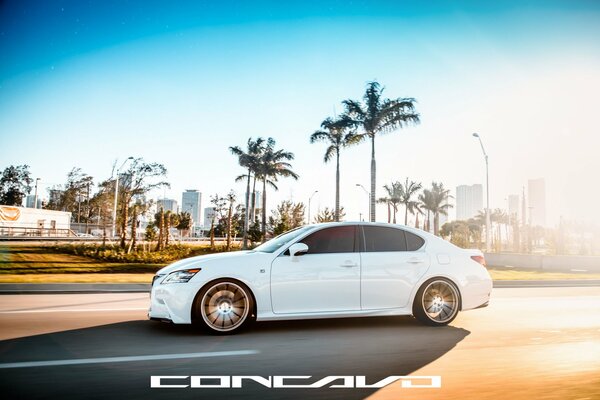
column 101, row 346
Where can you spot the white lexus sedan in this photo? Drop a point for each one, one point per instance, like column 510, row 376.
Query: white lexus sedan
column 329, row 270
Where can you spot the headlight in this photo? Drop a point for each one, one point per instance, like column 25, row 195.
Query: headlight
column 182, row 276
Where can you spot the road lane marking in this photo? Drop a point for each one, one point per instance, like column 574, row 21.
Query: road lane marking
column 80, row 361
column 74, row 310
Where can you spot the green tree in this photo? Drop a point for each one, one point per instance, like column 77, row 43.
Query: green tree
column 272, row 165
column 327, row 215
column 286, row 216
column 139, row 179
column 77, row 191
column 248, row 159
column 377, row 115
column 185, row 222
column 15, row 184
column 338, row 135
column 219, row 205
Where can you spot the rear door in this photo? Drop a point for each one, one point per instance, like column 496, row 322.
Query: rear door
column 393, row 261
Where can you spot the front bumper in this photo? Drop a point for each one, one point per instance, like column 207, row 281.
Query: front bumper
column 171, row 302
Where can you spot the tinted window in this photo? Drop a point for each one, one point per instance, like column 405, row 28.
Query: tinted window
column 331, row 240
column 413, row 242
column 378, row 238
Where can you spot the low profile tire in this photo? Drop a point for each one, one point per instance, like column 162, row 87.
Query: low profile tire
column 224, row 307
column 437, row 302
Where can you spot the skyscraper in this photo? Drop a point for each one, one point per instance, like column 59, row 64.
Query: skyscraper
column 469, row 201
column 209, row 213
column 536, row 190
column 513, row 206
column 190, row 203
column 167, row 205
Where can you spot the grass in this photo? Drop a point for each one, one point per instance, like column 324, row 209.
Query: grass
column 503, row 274
column 38, row 263
column 30, row 260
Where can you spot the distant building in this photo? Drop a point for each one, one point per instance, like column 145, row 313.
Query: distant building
column 514, row 206
column 469, row 201
column 167, row 205
column 30, row 199
column 536, row 190
column 209, row 213
column 190, row 202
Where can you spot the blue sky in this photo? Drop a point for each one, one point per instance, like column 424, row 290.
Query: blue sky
column 85, row 83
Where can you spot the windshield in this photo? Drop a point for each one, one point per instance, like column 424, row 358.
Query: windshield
column 281, row 240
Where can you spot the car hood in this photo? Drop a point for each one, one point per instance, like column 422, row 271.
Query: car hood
column 200, row 261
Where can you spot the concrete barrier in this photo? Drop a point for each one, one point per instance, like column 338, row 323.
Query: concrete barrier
column 545, row 263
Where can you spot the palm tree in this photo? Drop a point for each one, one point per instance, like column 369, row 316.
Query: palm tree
column 427, row 203
column 335, row 132
column 391, row 199
column 379, row 115
column 407, row 191
column 272, row 164
column 249, row 160
column 436, row 202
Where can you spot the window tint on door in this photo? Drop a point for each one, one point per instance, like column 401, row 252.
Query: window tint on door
column 379, row 238
column 413, row 242
column 331, row 240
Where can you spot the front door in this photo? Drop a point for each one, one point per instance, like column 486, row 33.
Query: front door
column 325, row 279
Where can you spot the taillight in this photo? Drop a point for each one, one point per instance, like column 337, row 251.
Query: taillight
column 479, row 259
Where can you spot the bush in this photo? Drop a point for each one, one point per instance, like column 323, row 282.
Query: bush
column 113, row 253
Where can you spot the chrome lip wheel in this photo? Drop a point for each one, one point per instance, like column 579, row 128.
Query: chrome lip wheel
column 224, row 306
column 440, row 301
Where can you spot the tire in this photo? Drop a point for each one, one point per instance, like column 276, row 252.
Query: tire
column 223, row 307
column 437, row 302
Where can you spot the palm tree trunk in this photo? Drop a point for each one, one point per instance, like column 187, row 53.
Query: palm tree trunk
column 133, row 230
column 436, row 222
column 124, row 222
column 337, row 187
column 417, row 221
column 253, row 200
column 405, row 214
column 389, row 212
column 395, row 209
column 264, row 209
column 428, row 221
column 373, row 177
column 247, row 213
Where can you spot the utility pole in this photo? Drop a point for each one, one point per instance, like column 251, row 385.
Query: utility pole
column 309, row 200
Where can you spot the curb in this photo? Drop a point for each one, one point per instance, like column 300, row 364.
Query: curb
column 73, row 288
column 85, row 288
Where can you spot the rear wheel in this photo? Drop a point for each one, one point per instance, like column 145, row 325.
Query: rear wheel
column 437, row 302
column 224, row 306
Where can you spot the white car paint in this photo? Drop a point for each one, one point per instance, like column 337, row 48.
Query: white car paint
column 327, row 285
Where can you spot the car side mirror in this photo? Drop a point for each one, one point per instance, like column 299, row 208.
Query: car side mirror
column 297, row 249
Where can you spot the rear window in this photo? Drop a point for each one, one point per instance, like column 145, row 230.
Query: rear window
column 413, row 242
column 379, row 238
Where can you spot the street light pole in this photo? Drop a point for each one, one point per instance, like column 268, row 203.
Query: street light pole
column 368, row 194
column 309, row 199
column 488, row 223
column 114, row 224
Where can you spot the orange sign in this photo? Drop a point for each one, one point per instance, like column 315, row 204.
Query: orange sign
column 9, row 213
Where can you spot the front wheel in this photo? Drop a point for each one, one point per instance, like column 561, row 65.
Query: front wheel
column 437, row 302
column 224, row 306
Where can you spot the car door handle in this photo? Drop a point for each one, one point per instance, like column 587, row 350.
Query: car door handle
column 349, row 264
column 415, row 260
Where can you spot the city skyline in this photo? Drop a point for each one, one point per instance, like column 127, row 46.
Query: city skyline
column 171, row 82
